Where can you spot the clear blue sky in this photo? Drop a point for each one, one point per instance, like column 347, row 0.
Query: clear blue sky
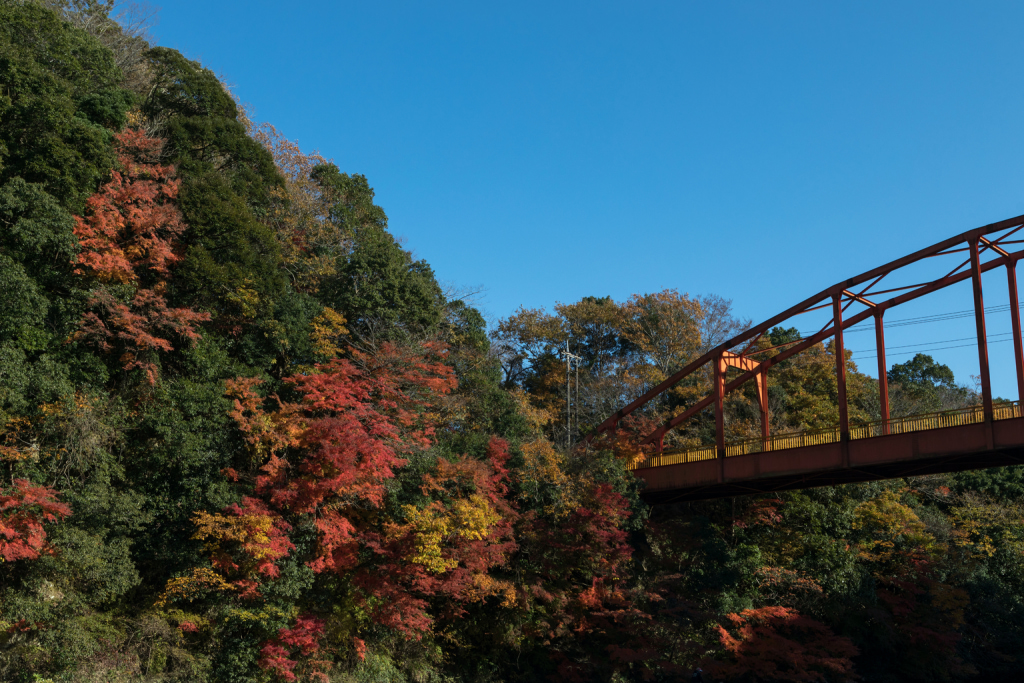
column 548, row 151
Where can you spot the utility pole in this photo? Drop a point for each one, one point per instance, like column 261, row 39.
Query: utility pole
column 571, row 358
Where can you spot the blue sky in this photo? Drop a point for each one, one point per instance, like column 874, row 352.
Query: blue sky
column 548, row 151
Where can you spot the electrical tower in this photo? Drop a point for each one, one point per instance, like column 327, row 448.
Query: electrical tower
column 571, row 359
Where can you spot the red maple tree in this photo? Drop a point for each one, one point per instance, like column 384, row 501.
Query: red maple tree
column 294, row 647
column 130, row 236
column 780, row 644
column 24, row 508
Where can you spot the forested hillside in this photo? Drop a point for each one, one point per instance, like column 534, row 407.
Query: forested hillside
column 246, row 436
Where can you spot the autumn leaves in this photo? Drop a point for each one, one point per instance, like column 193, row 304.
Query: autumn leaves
column 130, row 240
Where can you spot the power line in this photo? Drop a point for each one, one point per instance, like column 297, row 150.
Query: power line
column 871, row 352
column 962, row 346
column 922, row 345
column 921, row 320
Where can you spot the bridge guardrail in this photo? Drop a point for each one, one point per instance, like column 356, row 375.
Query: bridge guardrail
column 778, row 442
column 677, row 457
column 814, row 437
column 919, row 423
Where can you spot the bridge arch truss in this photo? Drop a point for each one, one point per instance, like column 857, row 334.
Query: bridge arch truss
column 867, row 296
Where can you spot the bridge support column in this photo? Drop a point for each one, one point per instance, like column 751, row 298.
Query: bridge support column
column 979, row 319
column 762, row 399
column 720, row 414
column 840, row 351
column 1018, row 347
column 883, row 370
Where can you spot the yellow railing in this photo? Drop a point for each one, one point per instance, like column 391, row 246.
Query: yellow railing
column 778, row 442
column 919, row 423
column 814, row 437
column 678, row 457
column 1004, row 411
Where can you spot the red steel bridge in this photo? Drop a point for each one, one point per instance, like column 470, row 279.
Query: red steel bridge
column 976, row 437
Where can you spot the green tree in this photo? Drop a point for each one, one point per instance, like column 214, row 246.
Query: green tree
column 61, row 98
column 921, row 386
column 377, row 286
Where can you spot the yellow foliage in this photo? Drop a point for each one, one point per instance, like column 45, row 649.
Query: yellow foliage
column 951, row 601
column 246, row 299
column 199, row 582
column 536, row 418
column 542, row 463
column 266, row 615
column 432, row 527
column 543, row 466
column 893, row 527
column 15, row 442
column 665, row 326
column 474, row 517
column 251, row 531
column 136, row 118
column 435, row 525
column 327, row 327
column 180, row 616
column 970, row 532
column 265, row 433
column 486, row 585
column 982, row 528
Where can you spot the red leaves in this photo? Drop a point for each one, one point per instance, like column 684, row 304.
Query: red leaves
column 129, row 236
column 330, row 456
column 780, row 644
column 245, row 542
column 390, row 601
column 348, row 459
column 582, row 563
column 446, row 548
column 360, row 647
column 131, row 223
column 764, row 512
column 339, row 544
column 265, row 433
column 304, row 636
column 356, row 422
column 23, row 511
column 134, row 327
column 300, row 641
column 590, row 540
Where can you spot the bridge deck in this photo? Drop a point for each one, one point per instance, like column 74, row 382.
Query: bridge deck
column 969, row 444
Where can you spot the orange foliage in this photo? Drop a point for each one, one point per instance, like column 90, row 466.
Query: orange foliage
column 265, row 433
column 780, row 644
column 131, row 223
column 129, row 236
